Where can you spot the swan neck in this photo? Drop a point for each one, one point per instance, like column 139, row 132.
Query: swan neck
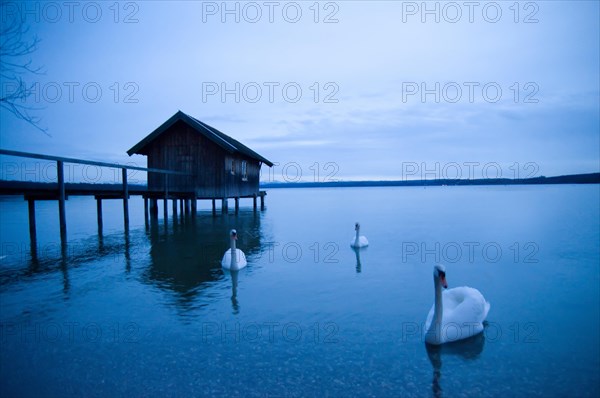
column 439, row 309
column 356, row 240
column 233, row 254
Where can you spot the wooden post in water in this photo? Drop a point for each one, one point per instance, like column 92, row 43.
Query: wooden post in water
column 194, row 205
column 174, row 207
column 165, row 202
column 61, row 200
column 154, row 207
column 181, row 206
column 32, row 234
column 187, row 207
column 224, row 205
column 146, row 210
column 262, row 200
column 214, row 207
column 125, row 199
column 237, row 205
column 99, row 214
column 254, row 202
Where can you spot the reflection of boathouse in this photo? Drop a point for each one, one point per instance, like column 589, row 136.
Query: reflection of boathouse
column 186, row 260
column 218, row 165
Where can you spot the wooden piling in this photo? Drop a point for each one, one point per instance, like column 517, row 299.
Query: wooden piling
column 125, row 199
column 146, row 211
column 166, row 200
column 262, row 200
column 237, row 205
column 174, row 207
column 214, row 207
column 181, row 206
column 254, row 202
column 194, row 206
column 224, row 205
column 32, row 233
column 154, row 207
column 61, row 200
column 99, row 214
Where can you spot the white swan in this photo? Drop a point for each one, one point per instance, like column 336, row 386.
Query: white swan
column 359, row 241
column 456, row 314
column 238, row 261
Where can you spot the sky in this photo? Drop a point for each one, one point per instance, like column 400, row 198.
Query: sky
column 343, row 90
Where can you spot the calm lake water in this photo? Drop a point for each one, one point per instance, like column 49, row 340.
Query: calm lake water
column 152, row 313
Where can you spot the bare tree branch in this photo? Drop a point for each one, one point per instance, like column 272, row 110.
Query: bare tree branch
column 14, row 46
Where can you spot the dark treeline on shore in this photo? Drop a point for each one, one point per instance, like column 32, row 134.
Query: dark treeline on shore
column 591, row 178
column 8, row 187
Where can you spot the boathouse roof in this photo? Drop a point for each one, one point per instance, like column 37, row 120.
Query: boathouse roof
column 223, row 140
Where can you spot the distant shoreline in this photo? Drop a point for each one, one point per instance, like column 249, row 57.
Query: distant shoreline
column 590, row 178
column 9, row 187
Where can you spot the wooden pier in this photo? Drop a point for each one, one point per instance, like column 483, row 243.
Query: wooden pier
column 60, row 191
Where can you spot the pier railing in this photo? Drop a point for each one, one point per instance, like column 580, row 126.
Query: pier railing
column 60, row 193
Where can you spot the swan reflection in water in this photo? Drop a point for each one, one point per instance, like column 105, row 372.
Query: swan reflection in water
column 234, row 284
column 467, row 349
column 358, row 264
column 233, row 274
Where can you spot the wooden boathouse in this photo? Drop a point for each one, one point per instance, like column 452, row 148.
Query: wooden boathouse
column 216, row 165
column 188, row 160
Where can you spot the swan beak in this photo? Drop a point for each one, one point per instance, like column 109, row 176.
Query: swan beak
column 443, row 280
